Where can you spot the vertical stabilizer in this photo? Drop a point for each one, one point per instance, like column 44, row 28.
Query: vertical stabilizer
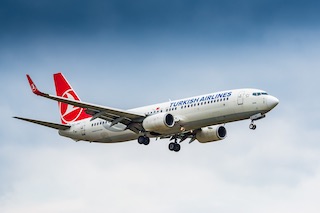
column 68, row 113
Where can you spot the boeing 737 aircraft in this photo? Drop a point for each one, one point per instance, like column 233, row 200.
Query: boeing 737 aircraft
column 201, row 118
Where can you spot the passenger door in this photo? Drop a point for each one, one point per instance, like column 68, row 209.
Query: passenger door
column 240, row 98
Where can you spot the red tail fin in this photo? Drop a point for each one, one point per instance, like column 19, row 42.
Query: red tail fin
column 68, row 113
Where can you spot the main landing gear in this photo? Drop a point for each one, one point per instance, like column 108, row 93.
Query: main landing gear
column 174, row 146
column 143, row 140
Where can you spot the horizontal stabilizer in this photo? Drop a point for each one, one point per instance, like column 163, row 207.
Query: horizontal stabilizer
column 45, row 123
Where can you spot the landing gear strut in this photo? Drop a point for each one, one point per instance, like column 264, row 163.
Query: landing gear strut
column 143, row 140
column 174, row 146
column 255, row 118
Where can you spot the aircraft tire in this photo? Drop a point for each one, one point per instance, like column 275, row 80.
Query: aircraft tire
column 174, row 147
column 171, row 146
column 252, row 126
column 146, row 141
column 177, row 147
column 141, row 139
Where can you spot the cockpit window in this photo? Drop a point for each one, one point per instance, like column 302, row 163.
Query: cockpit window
column 259, row 93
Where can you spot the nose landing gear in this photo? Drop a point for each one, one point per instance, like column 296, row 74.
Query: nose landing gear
column 255, row 118
column 252, row 126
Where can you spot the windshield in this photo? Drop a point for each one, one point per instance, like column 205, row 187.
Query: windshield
column 259, row 93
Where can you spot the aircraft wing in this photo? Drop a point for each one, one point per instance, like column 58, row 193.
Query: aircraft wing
column 110, row 114
column 45, row 123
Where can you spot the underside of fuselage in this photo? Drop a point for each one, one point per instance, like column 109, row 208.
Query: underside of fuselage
column 107, row 134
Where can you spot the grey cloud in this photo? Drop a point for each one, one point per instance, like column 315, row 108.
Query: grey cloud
column 220, row 19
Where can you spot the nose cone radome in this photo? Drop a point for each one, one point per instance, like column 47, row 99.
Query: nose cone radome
column 272, row 102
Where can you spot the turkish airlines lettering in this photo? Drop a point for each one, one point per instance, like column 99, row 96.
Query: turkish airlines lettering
column 200, row 118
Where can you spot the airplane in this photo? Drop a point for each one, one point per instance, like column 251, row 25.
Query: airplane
column 200, row 118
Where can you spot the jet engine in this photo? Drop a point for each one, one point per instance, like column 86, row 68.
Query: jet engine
column 211, row 134
column 158, row 122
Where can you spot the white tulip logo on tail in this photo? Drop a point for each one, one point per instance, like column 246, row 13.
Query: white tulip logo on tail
column 69, row 113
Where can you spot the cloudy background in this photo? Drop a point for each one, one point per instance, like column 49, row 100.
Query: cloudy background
column 127, row 54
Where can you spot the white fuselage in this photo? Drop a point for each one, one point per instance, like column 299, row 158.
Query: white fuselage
column 189, row 114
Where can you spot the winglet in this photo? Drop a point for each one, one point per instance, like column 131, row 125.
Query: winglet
column 33, row 86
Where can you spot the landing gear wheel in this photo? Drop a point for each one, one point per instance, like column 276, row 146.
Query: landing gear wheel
column 171, row 146
column 174, row 147
column 146, row 141
column 177, row 147
column 140, row 139
column 252, row 126
column 143, row 140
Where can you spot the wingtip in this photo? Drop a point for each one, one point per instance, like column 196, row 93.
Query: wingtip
column 33, row 86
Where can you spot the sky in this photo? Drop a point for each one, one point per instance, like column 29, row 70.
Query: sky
column 127, row 54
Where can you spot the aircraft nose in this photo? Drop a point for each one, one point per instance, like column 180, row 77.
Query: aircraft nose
column 272, row 102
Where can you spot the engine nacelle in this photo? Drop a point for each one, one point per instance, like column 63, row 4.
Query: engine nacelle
column 211, row 134
column 158, row 122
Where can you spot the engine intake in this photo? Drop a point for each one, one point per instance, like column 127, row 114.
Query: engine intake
column 211, row 134
column 158, row 122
